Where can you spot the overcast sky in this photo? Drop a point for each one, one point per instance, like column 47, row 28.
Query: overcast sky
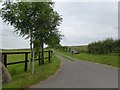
column 83, row 22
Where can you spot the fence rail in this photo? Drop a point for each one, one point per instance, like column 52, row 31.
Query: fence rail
column 5, row 59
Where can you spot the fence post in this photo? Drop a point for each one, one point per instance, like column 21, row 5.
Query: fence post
column 39, row 59
column 51, row 53
column 49, row 56
column 5, row 60
column 0, row 57
column 26, row 60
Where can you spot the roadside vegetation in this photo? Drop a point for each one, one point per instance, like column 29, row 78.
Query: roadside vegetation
column 111, row 60
column 63, row 55
column 21, row 79
column 107, row 46
column 103, row 52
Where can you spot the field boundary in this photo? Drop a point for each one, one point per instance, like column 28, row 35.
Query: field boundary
column 4, row 59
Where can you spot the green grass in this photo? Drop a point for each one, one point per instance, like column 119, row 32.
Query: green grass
column 63, row 52
column 71, row 60
column 21, row 79
column 111, row 60
column 16, row 50
column 79, row 48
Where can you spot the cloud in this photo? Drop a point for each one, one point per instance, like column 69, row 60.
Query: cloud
column 9, row 39
column 87, row 22
column 83, row 22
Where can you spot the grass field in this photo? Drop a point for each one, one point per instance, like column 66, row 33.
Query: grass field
column 79, row 48
column 15, row 50
column 111, row 60
column 71, row 60
column 21, row 79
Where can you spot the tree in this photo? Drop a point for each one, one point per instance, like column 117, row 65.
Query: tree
column 54, row 40
column 47, row 31
column 19, row 15
column 32, row 20
column 106, row 46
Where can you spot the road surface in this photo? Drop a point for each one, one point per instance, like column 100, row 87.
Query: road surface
column 81, row 74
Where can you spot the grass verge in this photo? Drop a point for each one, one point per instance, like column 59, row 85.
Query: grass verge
column 102, row 59
column 21, row 79
column 111, row 60
column 71, row 60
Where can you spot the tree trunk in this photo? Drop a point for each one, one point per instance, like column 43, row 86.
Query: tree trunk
column 42, row 47
column 33, row 61
column 31, row 51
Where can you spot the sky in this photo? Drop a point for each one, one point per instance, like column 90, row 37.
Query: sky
column 83, row 23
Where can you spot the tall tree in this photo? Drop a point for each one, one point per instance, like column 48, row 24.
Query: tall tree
column 47, row 27
column 33, row 20
column 20, row 16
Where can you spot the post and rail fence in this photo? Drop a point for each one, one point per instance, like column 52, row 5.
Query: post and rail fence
column 6, row 63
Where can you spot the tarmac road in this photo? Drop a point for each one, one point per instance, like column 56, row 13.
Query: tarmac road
column 81, row 74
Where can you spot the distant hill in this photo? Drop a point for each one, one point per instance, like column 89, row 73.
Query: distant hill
column 16, row 50
column 81, row 48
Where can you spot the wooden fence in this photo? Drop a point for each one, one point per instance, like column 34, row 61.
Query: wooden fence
column 6, row 63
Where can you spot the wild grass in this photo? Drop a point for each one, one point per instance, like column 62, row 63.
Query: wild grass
column 15, row 50
column 79, row 47
column 67, row 58
column 111, row 60
column 21, row 79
